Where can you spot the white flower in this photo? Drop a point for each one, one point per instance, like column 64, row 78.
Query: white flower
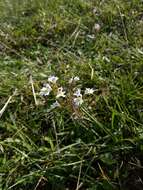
column 95, row 10
column 55, row 105
column 60, row 93
column 45, row 91
column 89, row 91
column 97, row 27
column 78, row 93
column 74, row 79
column 47, row 86
column 53, row 79
column 71, row 80
column 78, row 101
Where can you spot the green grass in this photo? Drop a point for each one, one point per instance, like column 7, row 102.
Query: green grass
column 100, row 146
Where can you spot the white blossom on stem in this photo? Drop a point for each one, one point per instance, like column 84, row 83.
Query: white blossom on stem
column 78, row 93
column 55, row 105
column 53, row 79
column 89, row 91
column 78, row 101
column 60, row 93
column 74, row 79
column 45, row 91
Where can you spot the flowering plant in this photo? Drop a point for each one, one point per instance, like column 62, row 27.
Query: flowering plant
column 72, row 97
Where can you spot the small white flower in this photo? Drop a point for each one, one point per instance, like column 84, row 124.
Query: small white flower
column 45, row 91
column 53, row 79
column 74, row 79
column 71, row 80
column 78, row 93
column 60, row 93
column 78, row 101
column 55, row 105
column 89, row 91
column 47, row 86
column 94, row 10
column 97, row 27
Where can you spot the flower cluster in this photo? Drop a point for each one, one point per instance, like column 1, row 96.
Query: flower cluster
column 73, row 95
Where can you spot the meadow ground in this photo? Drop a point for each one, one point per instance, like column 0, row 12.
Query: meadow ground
column 92, row 137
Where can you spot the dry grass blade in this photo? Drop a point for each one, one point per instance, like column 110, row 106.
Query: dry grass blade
column 6, row 104
column 33, row 90
column 78, row 181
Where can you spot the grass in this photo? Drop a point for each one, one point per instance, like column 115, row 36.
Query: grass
column 99, row 147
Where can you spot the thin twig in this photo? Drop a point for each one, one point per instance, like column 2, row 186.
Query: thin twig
column 39, row 181
column 78, row 186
